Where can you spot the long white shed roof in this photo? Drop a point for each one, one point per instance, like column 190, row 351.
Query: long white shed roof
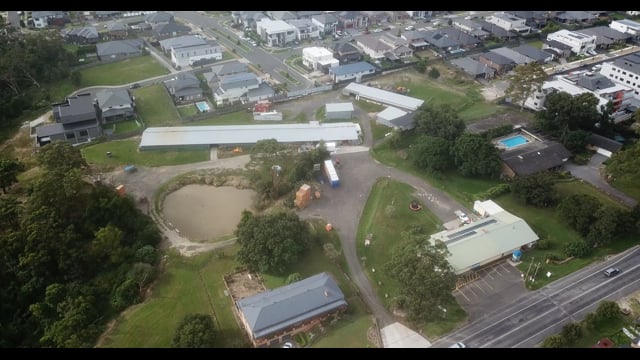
column 384, row 97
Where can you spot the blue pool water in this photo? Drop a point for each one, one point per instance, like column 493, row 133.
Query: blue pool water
column 514, row 141
column 202, row 106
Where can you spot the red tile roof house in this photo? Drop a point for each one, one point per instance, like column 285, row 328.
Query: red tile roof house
column 274, row 316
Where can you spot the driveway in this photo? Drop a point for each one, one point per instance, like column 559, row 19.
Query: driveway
column 591, row 173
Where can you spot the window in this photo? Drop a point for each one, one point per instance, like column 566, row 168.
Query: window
column 70, row 136
column 83, row 133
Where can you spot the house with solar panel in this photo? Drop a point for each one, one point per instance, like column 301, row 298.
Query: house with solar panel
column 274, row 316
column 496, row 235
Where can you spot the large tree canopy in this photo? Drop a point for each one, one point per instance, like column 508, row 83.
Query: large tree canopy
column 431, row 153
column 195, row 331
column 579, row 211
column 564, row 112
column 425, row 277
column 525, row 80
column 270, row 243
column 475, row 155
column 439, row 121
column 535, row 189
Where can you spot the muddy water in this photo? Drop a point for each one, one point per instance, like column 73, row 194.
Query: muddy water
column 202, row 212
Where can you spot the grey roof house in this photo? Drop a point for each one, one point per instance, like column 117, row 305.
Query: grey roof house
column 119, row 49
column 474, row 68
column 576, row 17
column 82, row 36
column 346, row 53
column 159, row 17
column 539, row 56
column 218, row 71
column 534, row 157
column 115, row 105
column 606, row 36
column 326, row 23
column 465, row 40
column 496, row 31
column 355, row 71
column 603, row 145
column 290, row 309
column 115, row 31
column 501, row 64
column 76, row 121
column 169, row 30
column 184, row 88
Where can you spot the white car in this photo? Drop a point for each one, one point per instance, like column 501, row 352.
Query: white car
column 458, row 345
column 464, row 218
column 287, row 345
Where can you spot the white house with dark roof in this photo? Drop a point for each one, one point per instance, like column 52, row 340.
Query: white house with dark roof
column 626, row 26
column 276, row 33
column 184, row 88
column 486, row 240
column 185, row 50
column 115, row 105
column 42, row 19
column 624, row 70
column 119, row 49
column 470, row 27
column 285, row 311
column 355, row 71
column 496, row 31
column 581, row 44
column 326, row 23
column 606, row 36
column 232, row 88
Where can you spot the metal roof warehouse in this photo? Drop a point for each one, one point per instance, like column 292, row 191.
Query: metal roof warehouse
column 205, row 136
column 383, row 96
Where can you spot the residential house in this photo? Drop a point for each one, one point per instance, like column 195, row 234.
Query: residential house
column 283, row 312
column 558, row 49
column 532, row 52
column 515, row 56
column 509, row 22
column 276, row 33
column 115, row 105
column 355, row 71
column 581, row 44
column 603, row 145
column 234, row 88
column 466, row 41
column 305, row 29
column 470, row 27
column 627, row 26
column 606, row 36
column 377, row 18
column 496, row 31
column 189, row 49
column 474, row 68
column 326, row 23
column 82, row 36
column 103, row 15
column 247, row 19
column 441, row 42
column 485, row 241
column 263, row 92
column 499, row 63
column 346, row 53
column 307, row 14
column 169, row 30
column 534, row 19
column 76, row 121
column 184, row 88
column 318, row 59
column 285, row 16
column 534, row 157
column 119, row 49
column 383, row 45
column 43, row 19
column 419, row 15
column 415, row 39
column 116, row 31
column 624, row 70
column 218, row 71
column 352, row 20
column 581, row 18
column 158, row 18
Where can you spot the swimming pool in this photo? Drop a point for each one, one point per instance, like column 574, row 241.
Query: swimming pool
column 202, row 106
column 514, row 141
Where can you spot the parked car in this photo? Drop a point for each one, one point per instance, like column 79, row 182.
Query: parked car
column 464, row 218
column 287, row 345
column 458, row 345
column 612, row 271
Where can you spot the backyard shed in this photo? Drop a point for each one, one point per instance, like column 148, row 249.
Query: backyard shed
column 339, row 111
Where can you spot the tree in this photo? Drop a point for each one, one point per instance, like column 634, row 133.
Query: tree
column 608, row 310
column 439, row 121
column 525, row 80
column 61, row 156
column 421, row 66
column 9, row 170
column 564, row 112
column 434, row 73
column 535, row 189
column 195, row 331
column 424, row 275
column 556, row 341
column 475, row 155
column 578, row 211
column 610, row 222
column 431, row 153
column 575, row 141
column 624, row 165
column 270, row 243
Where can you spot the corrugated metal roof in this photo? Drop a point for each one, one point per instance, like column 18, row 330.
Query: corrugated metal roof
column 331, row 107
column 154, row 137
column 384, row 97
column 280, row 308
column 391, row 113
column 485, row 239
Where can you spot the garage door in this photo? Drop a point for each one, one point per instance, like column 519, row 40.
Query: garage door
column 604, row 152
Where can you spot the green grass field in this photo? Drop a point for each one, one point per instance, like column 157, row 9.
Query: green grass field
column 126, row 126
column 155, row 107
column 187, row 110
column 628, row 185
column 234, row 118
column 122, row 72
column 125, row 152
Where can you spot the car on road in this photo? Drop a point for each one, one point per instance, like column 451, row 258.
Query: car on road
column 612, row 271
column 458, row 345
column 463, row 217
column 287, row 345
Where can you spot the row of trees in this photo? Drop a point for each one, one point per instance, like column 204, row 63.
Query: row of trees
column 74, row 254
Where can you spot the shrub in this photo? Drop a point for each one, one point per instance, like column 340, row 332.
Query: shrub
column 578, row 248
column 543, row 244
column 571, row 332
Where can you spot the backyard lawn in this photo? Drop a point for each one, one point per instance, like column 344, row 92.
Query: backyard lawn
column 126, row 126
column 122, row 72
column 155, row 107
column 125, row 152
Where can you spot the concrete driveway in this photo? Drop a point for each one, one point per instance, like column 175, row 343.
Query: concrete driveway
column 591, row 173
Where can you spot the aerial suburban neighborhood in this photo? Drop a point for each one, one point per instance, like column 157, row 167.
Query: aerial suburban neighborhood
column 320, row 179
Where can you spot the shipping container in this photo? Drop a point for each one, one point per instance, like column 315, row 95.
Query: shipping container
column 331, row 174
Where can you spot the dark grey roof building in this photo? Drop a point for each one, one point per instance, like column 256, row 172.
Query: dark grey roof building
column 185, row 87
column 169, row 30
column 606, row 36
column 119, row 48
column 159, row 17
column 278, row 310
column 474, row 68
column 605, row 143
column 540, row 56
column 76, row 121
column 534, row 157
column 595, row 82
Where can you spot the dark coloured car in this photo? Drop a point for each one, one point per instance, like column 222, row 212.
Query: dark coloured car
column 134, row 86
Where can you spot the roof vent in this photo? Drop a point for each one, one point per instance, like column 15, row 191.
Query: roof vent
column 326, row 292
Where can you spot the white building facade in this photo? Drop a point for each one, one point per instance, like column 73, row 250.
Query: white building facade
column 276, row 33
column 626, row 26
column 581, row 44
column 318, row 58
column 188, row 55
column 624, row 71
column 509, row 22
